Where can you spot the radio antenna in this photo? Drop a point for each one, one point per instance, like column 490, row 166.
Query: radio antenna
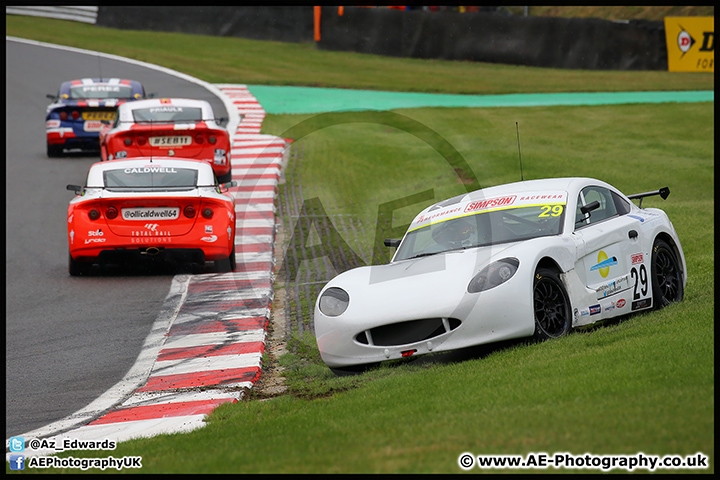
column 517, row 129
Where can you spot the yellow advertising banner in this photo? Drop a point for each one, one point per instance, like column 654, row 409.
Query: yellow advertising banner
column 690, row 44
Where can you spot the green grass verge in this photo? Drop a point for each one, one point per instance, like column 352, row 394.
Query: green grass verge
column 643, row 384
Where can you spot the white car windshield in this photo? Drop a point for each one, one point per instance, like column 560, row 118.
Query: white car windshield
column 483, row 228
column 167, row 113
column 100, row 91
column 150, row 178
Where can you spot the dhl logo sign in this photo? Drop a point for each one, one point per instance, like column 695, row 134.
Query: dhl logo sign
column 690, row 44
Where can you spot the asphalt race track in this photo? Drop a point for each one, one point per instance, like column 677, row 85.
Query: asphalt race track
column 68, row 339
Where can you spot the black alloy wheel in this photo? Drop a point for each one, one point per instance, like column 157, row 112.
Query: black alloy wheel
column 553, row 317
column 667, row 282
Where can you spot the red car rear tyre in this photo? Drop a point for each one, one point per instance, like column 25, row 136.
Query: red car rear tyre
column 227, row 264
column 76, row 268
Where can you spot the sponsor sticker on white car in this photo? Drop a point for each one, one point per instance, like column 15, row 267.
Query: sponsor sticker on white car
column 548, row 199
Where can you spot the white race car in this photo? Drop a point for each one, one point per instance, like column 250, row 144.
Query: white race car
column 530, row 258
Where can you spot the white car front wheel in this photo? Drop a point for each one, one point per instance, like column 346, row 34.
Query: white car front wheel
column 553, row 317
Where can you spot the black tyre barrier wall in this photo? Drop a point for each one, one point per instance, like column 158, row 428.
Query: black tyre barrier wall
column 490, row 37
column 552, row 42
column 282, row 24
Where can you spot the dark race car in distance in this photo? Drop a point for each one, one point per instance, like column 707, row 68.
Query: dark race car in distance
column 76, row 116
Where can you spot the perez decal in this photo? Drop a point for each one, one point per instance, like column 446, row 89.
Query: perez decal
column 100, row 88
column 209, row 239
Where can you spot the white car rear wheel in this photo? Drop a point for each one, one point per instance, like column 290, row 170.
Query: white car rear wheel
column 666, row 277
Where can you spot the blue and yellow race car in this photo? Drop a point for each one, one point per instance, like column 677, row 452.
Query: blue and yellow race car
column 82, row 108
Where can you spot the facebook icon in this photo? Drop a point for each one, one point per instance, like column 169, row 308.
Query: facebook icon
column 17, row 462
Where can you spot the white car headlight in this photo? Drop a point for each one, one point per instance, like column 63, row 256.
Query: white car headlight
column 334, row 301
column 493, row 275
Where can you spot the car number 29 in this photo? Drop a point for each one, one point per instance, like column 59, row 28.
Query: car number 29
column 641, row 280
column 548, row 210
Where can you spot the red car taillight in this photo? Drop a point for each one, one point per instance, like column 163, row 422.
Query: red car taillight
column 212, row 139
column 199, row 138
column 207, row 212
column 94, row 214
column 141, row 140
column 111, row 212
column 189, row 211
column 127, row 142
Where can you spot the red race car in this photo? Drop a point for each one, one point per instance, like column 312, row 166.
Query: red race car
column 146, row 207
column 168, row 127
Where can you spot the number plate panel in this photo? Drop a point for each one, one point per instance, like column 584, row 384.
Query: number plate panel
column 100, row 116
column 172, row 141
